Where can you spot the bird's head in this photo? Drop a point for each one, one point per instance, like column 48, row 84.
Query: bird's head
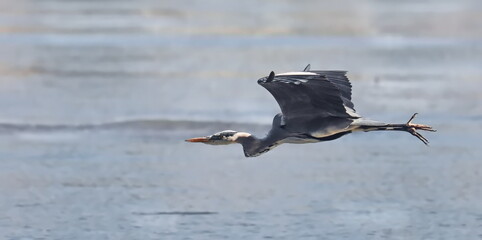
column 221, row 138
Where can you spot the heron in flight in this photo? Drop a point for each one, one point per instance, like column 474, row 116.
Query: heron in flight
column 315, row 106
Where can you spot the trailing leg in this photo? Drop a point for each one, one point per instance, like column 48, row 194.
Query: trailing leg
column 407, row 127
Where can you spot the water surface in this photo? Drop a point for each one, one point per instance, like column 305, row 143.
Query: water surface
column 96, row 99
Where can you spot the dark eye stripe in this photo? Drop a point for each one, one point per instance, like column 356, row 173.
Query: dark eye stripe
column 216, row 137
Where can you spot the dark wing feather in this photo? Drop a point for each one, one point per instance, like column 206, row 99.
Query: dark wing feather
column 339, row 79
column 306, row 98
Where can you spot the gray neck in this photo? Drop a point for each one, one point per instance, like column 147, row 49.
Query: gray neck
column 254, row 146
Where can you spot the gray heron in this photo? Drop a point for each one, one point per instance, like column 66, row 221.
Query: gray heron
column 315, row 106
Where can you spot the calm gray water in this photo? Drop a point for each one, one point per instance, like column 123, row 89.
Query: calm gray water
column 96, row 98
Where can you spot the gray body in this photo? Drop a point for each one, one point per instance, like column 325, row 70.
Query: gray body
column 280, row 133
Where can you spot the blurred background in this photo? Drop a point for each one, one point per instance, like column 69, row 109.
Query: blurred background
column 96, row 98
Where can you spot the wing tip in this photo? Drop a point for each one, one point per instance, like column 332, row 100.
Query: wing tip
column 270, row 77
column 267, row 79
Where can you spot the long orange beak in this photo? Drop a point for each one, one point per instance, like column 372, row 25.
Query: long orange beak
column 198, row 139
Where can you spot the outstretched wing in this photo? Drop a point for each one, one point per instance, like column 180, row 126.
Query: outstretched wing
column 311, row 95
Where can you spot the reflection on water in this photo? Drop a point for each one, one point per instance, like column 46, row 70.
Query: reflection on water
column 96, row 98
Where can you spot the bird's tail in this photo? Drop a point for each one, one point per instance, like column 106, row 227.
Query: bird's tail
column 369, row 125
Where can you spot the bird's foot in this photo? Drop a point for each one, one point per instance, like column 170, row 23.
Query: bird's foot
column 412, row 129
